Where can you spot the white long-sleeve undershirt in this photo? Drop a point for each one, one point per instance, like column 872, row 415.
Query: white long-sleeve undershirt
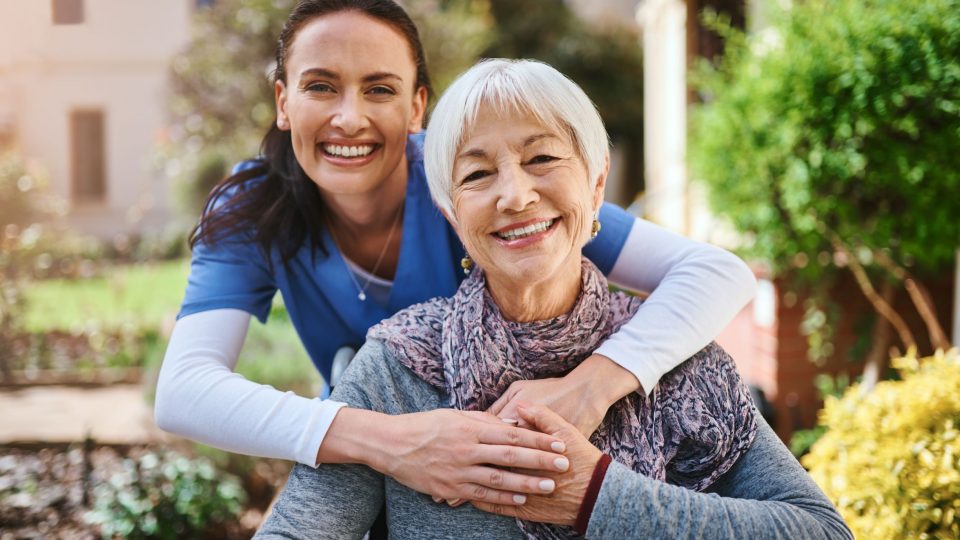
column 696, row 290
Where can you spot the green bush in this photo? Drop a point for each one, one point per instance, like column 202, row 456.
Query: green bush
column 890, row 459
column 20, row 193
column 843, row 116
column 166, row 496
column 19, row 206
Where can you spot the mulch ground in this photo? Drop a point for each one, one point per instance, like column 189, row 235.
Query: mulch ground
column 44, row 491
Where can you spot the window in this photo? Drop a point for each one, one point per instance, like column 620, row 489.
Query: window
column 67, row 11
column 88, row 156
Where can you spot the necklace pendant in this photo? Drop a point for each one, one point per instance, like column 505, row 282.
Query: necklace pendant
column 362, row 296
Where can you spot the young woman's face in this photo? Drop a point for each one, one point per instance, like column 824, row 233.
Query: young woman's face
column 349, row 102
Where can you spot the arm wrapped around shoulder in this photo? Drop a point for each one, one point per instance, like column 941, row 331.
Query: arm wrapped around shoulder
column 709, row 418
column 732, row 478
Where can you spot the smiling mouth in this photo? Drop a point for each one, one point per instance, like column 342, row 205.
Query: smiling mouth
column 345, row 151
column 523, row 232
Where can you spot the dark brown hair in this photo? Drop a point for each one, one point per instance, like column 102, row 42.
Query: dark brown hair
column 283, row 207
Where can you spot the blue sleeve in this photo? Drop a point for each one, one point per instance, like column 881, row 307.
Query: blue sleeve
column 604, row 250
column 231, row 273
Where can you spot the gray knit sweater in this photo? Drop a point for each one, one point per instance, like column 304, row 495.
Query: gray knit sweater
column 766, row 494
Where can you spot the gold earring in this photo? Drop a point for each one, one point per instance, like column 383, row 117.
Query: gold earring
column 466, row 263
column 595, row 229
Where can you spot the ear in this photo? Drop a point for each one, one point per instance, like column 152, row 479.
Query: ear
column 280, row 95
column 451, row 221
column 601, row 184
column 419, row 110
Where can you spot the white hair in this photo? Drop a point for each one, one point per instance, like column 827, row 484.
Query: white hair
column 510, row 86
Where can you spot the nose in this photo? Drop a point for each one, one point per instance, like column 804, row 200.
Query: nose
column 350, row 116
column 518, row 189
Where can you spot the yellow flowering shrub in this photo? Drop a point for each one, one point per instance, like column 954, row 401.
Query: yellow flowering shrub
column 890, row 459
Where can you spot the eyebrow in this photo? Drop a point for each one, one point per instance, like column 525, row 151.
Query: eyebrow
column 478, row 153
column 372, row 77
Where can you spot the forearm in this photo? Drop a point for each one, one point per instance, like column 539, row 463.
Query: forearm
column 696, row 290
column 359, row 436
column 767, row 494
column 201, row 398
column 604, row 380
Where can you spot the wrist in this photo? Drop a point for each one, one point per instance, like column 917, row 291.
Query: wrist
column 582, row 520
column 606, row 380
column 355, row 436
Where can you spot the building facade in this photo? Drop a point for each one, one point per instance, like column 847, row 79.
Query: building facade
column 83, row 90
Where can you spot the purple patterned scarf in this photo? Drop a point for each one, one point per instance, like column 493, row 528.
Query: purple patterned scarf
column 689, row 431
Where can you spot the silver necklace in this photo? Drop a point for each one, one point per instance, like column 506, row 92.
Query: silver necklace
column 362, row 291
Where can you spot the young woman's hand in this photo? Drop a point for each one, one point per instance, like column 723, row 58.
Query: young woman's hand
column 561, row 506
column 448, row 454
column 582, row 397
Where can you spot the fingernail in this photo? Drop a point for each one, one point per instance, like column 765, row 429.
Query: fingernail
column 453, row 501
column 547, row 485
column 509, row 420
column 519, row 499
column 562, row 463
column 437, row 499
column 558, row 446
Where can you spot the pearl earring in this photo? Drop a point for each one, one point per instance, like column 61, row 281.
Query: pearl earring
column 466, row 263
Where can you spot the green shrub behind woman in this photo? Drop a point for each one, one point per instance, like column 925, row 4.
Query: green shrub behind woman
column 890, row 459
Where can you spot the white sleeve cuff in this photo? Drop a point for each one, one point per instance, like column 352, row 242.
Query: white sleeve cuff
column 316, row 430
column 696, row 290
column 623, row 351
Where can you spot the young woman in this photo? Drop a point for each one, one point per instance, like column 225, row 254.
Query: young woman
column 336, row 215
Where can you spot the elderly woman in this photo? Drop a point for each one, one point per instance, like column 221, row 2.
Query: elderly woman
column 516, row 158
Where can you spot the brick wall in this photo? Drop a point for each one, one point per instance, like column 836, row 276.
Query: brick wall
column 773, row 357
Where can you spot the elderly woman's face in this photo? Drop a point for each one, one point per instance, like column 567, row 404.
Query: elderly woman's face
column 521, row 197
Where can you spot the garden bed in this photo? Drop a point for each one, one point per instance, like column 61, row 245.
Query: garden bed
column 95, row 358
column 48, row 491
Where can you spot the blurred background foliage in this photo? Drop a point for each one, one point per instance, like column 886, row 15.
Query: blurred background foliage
column 167, row 495
column 841, row 117
column 828, row 140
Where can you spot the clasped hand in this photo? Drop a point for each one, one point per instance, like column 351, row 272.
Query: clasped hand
column 562, row 505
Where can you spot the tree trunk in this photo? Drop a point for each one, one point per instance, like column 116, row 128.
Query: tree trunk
column 880, row 338
column 956, row 302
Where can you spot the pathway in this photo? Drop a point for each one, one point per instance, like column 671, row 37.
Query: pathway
column 115, row 414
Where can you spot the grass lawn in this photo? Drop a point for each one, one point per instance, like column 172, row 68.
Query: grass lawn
column 129, row 296
column 146, row 297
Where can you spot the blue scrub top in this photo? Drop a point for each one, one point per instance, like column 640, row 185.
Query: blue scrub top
column 318, row 292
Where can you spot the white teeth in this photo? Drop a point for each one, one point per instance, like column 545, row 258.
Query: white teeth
column 348, row 151
column 521, row 232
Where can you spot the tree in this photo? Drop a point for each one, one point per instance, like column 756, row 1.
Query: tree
column 221, row 96
column 830, row 141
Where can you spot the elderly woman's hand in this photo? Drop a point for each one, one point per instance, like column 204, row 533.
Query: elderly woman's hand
column 582, row 397
column 561, row 506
